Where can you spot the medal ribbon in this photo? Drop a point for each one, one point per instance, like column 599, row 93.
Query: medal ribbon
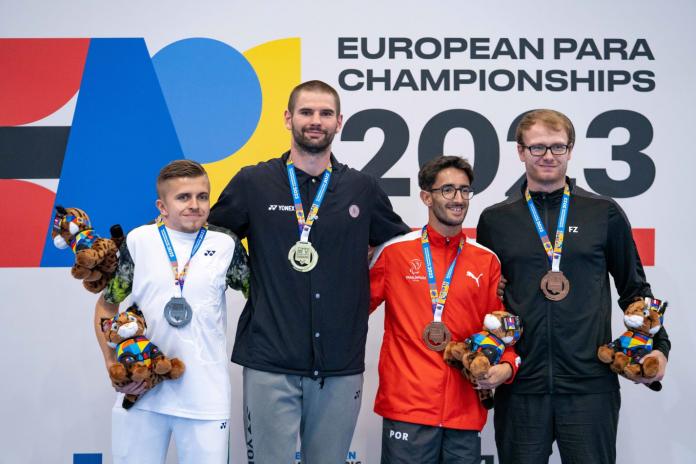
column 179, row 277
column 305, row 225
column 438, row 300
column 553, row 252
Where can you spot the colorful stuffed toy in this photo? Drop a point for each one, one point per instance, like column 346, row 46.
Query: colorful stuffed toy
column 480, row 351
column 643, row 318
column 96, row 258
column 138, row 359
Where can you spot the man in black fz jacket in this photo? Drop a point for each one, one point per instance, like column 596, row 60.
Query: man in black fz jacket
column 560, row 288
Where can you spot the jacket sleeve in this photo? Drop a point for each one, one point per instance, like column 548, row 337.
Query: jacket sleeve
column 495, row 304
column 623, row 262
column 121, row 284
column 483, row 234
column 385, row 224
column 237, row 276
column 231, row 211
column 377, row 278
column 511, row 357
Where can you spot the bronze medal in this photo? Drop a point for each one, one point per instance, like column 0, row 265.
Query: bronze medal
column 555, row 286
column 436, row 336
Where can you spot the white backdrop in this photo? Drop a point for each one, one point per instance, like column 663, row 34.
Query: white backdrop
column 55, row 397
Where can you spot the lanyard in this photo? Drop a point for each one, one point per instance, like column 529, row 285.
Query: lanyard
column 438, row 300
column 553, row 252
column 305, row 225
column 179, row 277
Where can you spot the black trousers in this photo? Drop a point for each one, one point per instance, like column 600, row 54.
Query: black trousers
column 403, row 442
column 584, row 427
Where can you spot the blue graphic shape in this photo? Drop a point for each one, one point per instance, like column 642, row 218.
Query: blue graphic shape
column 85, row 458
column 213, row 95
column 121, row 136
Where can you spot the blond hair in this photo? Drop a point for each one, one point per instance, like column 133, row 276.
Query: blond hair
column 550, row 118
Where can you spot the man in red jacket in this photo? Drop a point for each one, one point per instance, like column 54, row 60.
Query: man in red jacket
column 438, row 286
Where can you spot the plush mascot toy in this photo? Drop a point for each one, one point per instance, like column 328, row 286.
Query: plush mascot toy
column 138, row 359
column 479, row 352
column 643, row 318
column 96, row 258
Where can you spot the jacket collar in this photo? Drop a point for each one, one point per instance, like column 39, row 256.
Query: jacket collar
column 555, row 194
column 303, row 177
column 440, row 240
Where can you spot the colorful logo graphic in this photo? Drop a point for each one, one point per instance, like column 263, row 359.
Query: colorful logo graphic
column 133, row 112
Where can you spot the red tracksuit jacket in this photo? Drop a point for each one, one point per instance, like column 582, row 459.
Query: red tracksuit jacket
column 415, row 384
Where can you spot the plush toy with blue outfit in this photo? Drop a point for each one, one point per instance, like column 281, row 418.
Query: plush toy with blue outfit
column 475, row 355
column 96, row 258
column 138, row 359
column 643, row 318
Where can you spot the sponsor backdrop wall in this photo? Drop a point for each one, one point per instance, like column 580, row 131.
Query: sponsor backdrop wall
column 96, row 96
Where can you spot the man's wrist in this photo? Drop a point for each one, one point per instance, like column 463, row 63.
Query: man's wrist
column 510, row 371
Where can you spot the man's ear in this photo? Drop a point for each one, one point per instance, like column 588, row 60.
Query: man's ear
column 520, row 152
column 288, row 119
column 159, row 204
column 339, row 119
column 426, row 198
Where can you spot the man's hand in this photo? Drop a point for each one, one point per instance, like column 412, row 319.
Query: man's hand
column 501, row 287
column 496, row 375
column 132, row 388
column 662, row 366
column 121, row 384
column 370, row 253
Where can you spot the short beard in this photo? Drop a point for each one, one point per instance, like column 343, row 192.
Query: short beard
column 444, row 220
column 311, row 149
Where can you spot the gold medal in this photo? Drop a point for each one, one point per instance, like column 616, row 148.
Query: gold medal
column 303, row 257
column 555, row 285
column 436, row 336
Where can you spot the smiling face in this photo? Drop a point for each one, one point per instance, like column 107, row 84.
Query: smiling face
column 544, row 173
column 446, row 216
column 184, row 203
column 313, row 122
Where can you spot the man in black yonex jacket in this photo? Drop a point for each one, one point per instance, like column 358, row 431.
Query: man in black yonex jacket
column 560, row 289
column 301, row 337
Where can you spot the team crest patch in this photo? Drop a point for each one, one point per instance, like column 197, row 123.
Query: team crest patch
column 414, row 270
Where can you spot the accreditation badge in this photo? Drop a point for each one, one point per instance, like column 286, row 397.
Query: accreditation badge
column 303, row 257
column 436, row 336
column 555, row 286
column 178, row 312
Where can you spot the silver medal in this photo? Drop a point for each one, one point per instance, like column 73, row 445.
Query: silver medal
column 303, row 257
column 178, row 312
